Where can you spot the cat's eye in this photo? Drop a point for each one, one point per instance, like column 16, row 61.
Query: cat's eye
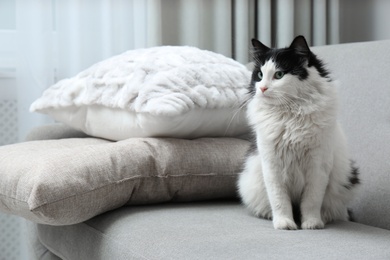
column 278, row 74
column 260, row 75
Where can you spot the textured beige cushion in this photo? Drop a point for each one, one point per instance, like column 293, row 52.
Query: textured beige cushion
column 67, row 181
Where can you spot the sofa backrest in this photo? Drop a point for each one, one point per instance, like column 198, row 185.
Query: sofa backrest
column 362, row 71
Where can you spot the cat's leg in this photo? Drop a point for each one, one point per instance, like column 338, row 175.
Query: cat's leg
column 343, row 180
column 317, row 178
column 334, row 206
column 341, row 190
column 252, row 189
column 279, row 198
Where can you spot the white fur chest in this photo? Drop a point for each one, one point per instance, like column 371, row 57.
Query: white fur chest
column 289, row 140
column 282, row 131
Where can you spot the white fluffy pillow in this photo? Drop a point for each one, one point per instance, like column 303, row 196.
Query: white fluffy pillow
column 162, row 91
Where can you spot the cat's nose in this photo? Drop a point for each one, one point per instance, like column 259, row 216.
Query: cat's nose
column 263, row 89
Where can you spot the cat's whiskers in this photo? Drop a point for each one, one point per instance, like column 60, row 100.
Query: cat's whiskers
column 246, row 101
column 286, row 103
column 293, row 97
column 291, row 103
column 282, row 102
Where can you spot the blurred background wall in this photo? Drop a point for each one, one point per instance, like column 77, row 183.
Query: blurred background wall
column 364, row 20
column 42, row 41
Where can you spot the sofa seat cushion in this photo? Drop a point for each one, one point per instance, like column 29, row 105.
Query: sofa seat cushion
column 207, row 230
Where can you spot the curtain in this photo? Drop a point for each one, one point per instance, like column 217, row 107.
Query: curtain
column 57, row 39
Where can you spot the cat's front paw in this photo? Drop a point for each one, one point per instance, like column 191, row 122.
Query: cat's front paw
column 313, row 223
column 285, row 224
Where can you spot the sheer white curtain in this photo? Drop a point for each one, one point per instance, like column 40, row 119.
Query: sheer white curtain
column 57, row 39
column 35, row 58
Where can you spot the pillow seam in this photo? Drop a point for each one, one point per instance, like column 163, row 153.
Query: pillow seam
column 36, row 208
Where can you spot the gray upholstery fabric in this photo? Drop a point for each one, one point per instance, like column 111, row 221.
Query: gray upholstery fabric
column 362, row 71
column 36, row 250
column 219, row 230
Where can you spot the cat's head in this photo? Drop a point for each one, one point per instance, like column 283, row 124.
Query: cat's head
column 285, row 74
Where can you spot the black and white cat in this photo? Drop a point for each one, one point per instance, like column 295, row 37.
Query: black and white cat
column 300, row 166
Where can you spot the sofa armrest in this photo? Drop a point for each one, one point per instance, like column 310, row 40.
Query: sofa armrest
column 362, row 74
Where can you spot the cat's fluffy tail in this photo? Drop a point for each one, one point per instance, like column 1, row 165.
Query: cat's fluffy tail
column 353, row 181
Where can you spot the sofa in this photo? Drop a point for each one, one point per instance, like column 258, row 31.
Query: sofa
column 203, row 218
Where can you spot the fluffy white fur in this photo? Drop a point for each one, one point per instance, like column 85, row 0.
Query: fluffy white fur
column 301, row 155
column 165, row 81
column 174, row 91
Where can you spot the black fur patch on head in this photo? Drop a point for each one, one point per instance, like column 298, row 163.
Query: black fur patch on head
column 294, row 60
column 319, row 65
column 286, row 59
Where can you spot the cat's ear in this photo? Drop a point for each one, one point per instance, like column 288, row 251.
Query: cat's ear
column 300, row 44
column 259, row 47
